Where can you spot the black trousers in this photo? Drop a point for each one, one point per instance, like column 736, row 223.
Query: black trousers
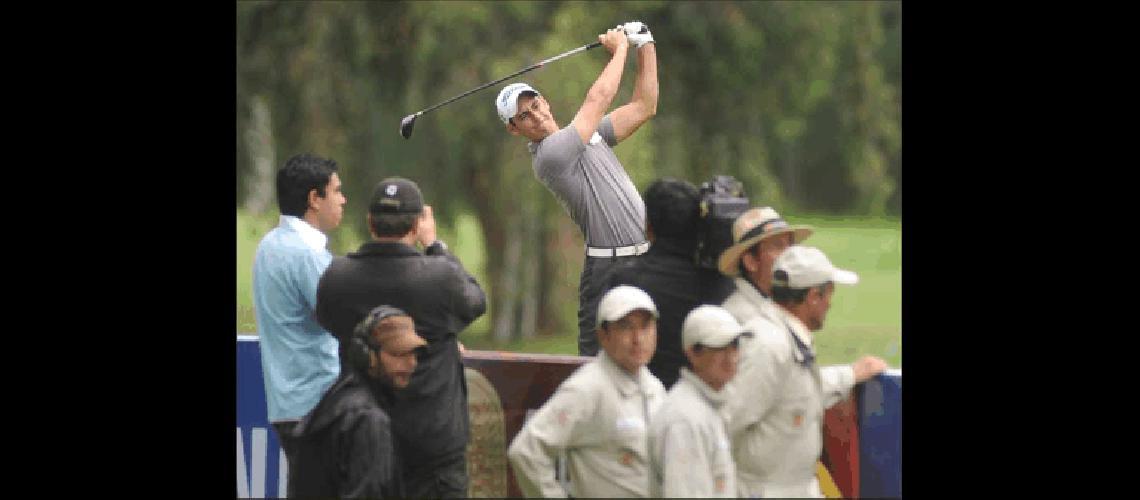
column 447, row 479
column 592, row 285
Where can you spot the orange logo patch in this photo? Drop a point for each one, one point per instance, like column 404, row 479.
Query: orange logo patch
column 626, row 458
column 797, row 420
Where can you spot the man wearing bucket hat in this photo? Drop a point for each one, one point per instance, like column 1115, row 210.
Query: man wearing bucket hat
column 344, row 446
column 431, row 421
column 600, row 415
column 760, row 235
column 688, row 444
column 577, row 164
column 776, row 418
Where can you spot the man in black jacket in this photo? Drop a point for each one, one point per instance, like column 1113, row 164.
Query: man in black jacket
column 669, row 273
column 344, row 447
column 429, row 418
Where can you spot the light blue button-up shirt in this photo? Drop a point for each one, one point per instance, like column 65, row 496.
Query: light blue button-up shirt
column 298, row 357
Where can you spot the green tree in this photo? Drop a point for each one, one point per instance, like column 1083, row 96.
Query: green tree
column 799, row 100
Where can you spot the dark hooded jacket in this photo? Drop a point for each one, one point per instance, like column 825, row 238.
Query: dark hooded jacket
column 430, row 419
column 344, row 446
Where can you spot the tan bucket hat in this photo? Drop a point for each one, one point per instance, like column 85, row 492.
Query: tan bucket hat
column 750, row 227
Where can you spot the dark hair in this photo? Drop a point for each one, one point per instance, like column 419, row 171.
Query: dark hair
column 754, row 249
column 672, row 207
column 790, row 296
column 301, row 174
column 785, row 295
column 388, row 225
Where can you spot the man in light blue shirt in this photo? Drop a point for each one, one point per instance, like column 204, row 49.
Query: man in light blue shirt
column 298, row 357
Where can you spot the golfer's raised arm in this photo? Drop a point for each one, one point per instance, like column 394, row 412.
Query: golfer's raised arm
column 602, row 93
column 643, row 105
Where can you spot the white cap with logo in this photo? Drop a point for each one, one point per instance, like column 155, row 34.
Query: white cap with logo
column 507, row 103
column 804, row 267
column 622, row 300
column 710, row 326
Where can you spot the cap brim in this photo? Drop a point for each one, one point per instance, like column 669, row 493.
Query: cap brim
column 844, row 276
column 621, row 313
column 404, row 343
column 724, row 338
column 729, row 262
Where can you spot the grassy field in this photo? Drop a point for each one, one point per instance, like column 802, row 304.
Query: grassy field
column 864, row 319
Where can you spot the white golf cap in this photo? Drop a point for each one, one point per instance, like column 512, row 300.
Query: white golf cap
column 507, row 103
column 710, row 326
column 622, row 300
column 804, row 267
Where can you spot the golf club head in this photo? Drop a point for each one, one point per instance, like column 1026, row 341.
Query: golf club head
column 406, row 126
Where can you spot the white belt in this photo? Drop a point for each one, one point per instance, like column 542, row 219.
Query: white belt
column 618, row 251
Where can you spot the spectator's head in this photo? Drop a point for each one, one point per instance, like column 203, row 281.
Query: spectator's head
column 385, row 344
column 759, row 236
column 627, row 327
column 803, row 281
column 396, row 206
column 672, row 209
column 309, row 188
column 711, row 339
column 525, row 112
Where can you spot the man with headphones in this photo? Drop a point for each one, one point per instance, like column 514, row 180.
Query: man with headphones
column 344, row 446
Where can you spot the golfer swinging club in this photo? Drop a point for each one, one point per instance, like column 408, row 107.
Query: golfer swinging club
column 576, row 163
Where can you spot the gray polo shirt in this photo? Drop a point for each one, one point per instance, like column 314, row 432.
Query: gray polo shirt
column 591, row 184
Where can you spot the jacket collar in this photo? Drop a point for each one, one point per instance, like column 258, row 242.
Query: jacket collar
column 749, row 290
column 322, row 414
column 309, row 234
column 372, row 248
column 753, row 296
column 715, row 398
column 798, row 329
column 626, row 384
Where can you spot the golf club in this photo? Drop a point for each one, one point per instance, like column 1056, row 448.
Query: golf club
column 409, row 121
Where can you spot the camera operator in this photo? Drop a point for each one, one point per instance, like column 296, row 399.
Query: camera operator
column 669, row 273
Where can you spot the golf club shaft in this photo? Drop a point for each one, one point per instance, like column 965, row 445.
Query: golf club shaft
column 508, row 77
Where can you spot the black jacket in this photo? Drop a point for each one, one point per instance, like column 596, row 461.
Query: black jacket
column 344, row 446
column 669, row 274
column 429, row 418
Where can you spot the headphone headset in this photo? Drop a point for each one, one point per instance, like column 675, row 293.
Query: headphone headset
column 361, row 345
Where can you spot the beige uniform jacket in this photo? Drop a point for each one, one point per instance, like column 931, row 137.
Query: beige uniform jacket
column 600, row 416
column 775, row 419
column 688, row 445
column 746, row 304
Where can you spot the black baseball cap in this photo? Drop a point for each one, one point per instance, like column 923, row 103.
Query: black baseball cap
column 396, row 195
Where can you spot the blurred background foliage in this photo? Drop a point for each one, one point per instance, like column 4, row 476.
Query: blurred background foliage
column 801, row 101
